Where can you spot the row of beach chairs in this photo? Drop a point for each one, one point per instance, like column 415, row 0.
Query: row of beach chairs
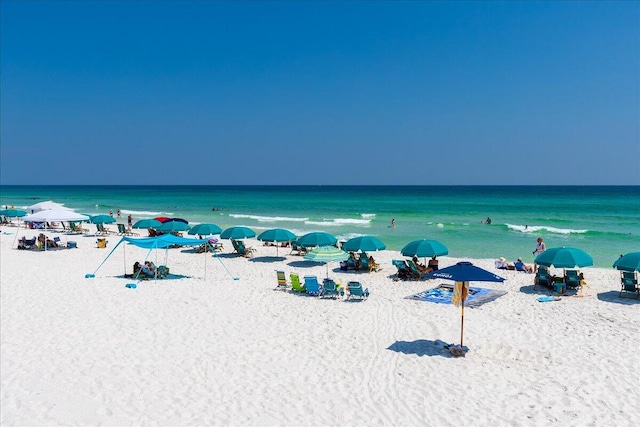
column 327, row 289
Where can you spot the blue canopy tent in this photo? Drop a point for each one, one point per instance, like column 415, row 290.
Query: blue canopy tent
column 159, row 242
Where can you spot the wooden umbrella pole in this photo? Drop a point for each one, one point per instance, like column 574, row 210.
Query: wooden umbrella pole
column 462, row 322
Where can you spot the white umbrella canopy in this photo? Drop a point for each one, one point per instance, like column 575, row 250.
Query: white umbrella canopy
column 49, row 204
column 55, row 215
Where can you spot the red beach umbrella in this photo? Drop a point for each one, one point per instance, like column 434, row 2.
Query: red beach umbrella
column 162, row 219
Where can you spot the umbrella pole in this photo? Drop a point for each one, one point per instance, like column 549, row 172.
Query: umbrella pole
column 462, row 321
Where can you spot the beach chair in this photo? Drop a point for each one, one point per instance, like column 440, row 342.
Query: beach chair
column 282, row 280
column 329, row 289
column 58, row 242
column 298, row 249
column 629, row 282
column 364, row 262
column 122, row 231
column 244, row 250
column 543, row 278
column 572, row 279
column 403, row 269
column 354, row 290
column 296, row 286
column 26, row 244
column 415, row 271
column 352, row 263
column 311, row 285
column 162, row 271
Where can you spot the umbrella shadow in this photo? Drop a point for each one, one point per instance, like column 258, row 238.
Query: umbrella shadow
column 614, row 297
column 529, row 289
column 304, row 264
column 227, row 255
column 423, row 348
column 268, row 259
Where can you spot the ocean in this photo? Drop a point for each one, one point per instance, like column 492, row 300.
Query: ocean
column 602, row 220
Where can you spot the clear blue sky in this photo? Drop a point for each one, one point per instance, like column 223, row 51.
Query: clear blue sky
column 204, row 92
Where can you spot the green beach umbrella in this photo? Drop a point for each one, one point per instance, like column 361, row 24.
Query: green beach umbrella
column 317, row 238
column 564, row 257
column 628, row 262
column 102, row 219
column 205, row 229
column 364, row 244
column 237, row 233
column 12, row 213
column 147, row 223
column 424, row 248
column 173, row 226
column 277, row 235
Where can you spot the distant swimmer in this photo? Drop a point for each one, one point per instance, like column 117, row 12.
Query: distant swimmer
column 488, row 221
column 393, row 222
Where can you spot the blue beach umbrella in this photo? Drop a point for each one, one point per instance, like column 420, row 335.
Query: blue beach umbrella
column 463, row 273
column 424, row 248
column 563, row 257
column 205, row 229
column 628, row 262
column 147, row 223
column 102, row 219
column 317, row 238
column 237, row 233
column 173, row 226
column 364, row 244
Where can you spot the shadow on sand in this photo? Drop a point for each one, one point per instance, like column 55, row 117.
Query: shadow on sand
column 424, row 348
column 614, row 297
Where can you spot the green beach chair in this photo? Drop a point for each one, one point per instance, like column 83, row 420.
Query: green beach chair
column 629, row 283
column 296, row 286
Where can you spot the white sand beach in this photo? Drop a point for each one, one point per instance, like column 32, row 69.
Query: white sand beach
column 218, row 351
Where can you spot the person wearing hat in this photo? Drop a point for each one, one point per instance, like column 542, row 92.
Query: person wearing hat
column 502, row 264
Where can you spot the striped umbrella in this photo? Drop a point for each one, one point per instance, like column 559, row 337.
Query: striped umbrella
column 327, row 254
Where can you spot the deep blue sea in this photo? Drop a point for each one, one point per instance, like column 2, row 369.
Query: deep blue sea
column 602, row 220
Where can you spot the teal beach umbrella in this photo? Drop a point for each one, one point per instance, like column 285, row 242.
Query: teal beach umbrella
column 364, row 244
column 628, row 262
column 147, row 223
column 205, row 229
column 424, row 248
column 563, row 257
column 12, row 213
column 102, row 219
column 277, row 235
column 237, row 233
column 317, row 238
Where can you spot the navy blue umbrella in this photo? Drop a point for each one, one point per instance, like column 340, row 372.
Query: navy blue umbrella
column 463, row 273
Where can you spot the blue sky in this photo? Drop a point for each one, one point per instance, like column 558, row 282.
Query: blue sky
column 419, row 93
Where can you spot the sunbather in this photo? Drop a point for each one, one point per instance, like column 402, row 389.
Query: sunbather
column 521, row 266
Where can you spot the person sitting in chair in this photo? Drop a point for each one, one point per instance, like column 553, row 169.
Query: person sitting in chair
column 148, row 269
column 421, row 267
column 433, row 264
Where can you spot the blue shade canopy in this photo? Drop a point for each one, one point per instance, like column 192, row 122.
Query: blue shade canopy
column 102, row 219
column 237, row 233
column 465, row 272
column 12, row 213
column 205, row 229
column 317, row 238
column 172, row 226
column 163, row 241
column 424, row 248
column 628, row 262
column 563, row 257
column 327, row 254
column 277, row 235
column 147, row 223
column 179, row 220
column 364, row 243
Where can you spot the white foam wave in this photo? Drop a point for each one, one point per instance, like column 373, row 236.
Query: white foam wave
column 368, row 215
column 261, row 218
column 536, row 228
column 338, row 222
column 142, row 213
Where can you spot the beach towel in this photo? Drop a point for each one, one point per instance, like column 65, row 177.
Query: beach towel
column 548, row 299
column 443, row 294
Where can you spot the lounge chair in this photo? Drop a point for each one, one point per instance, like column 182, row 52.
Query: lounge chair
column 403, row 269
column 572, row 279
column 543, row 278
column 364, row 262
column 26, row 244
column 415, row 271
column 311, row 285
column 329, row 289
column 298, row 249
column 354, row 290
column 282, row 280
column 629, row 282
column 296, row 286
column 352, row 264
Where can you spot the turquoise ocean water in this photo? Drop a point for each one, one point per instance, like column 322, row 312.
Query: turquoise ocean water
column 602, row 220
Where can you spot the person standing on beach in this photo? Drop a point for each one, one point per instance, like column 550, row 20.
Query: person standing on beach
column 111, row 213
column 118, row 212
column 129, row 220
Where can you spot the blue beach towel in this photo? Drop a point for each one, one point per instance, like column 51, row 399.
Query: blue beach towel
column 443, row 293
column 548, row 298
